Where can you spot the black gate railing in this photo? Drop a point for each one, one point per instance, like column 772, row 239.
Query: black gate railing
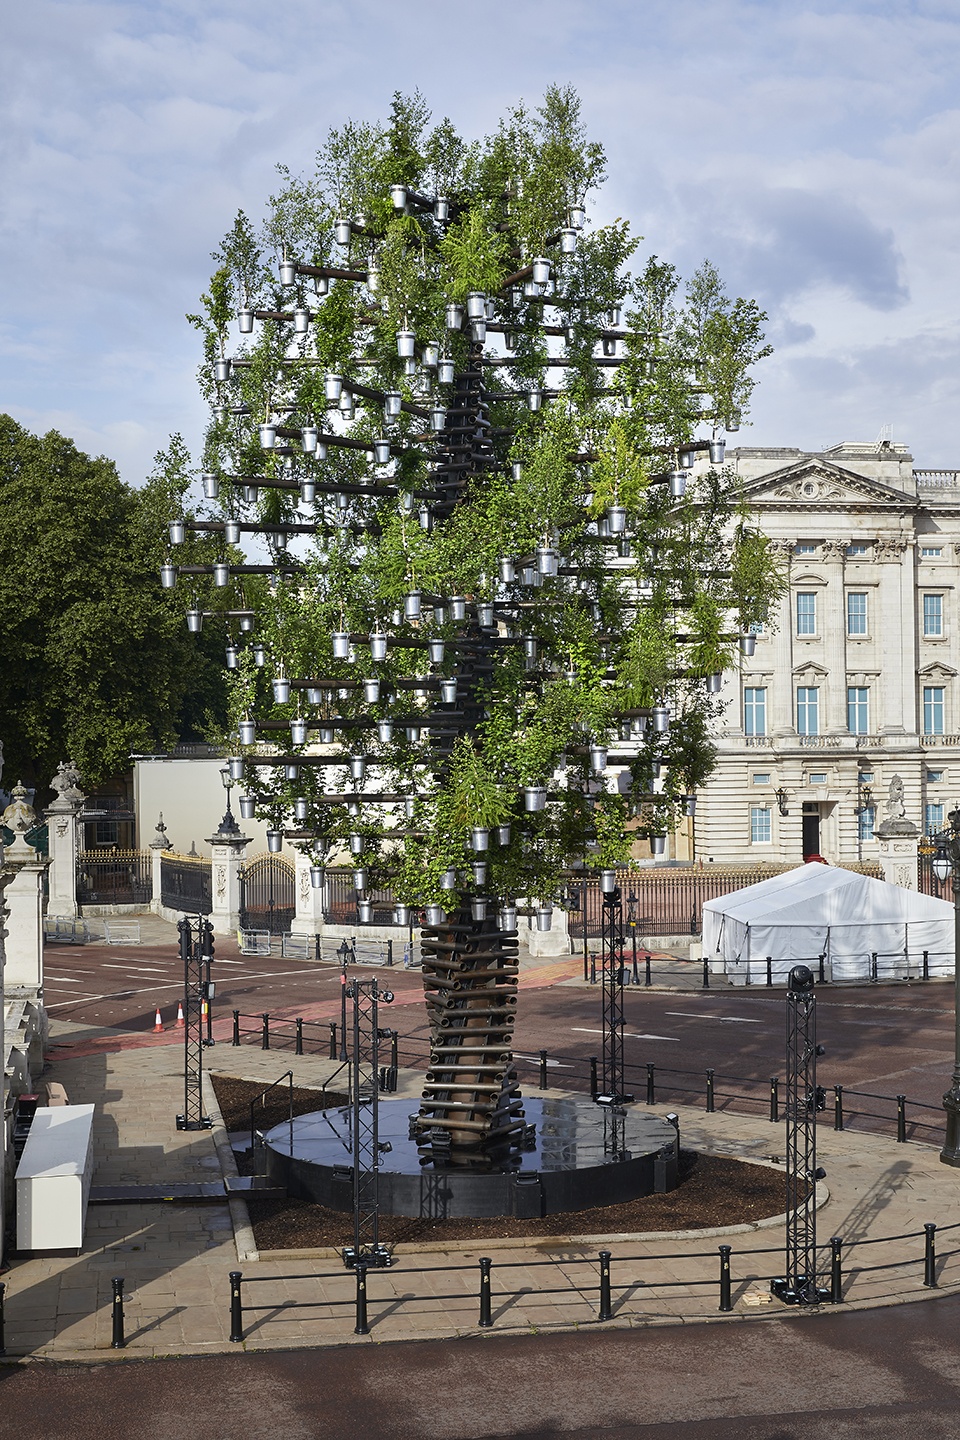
column 114, row 877
column 185, row 884
column 268, row 896
column 927, row 881
column 340, row 904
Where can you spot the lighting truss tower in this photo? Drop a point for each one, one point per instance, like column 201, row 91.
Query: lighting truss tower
column 462, row 434
column 366, row 996
column 197, row 953
column 798, row 1286
column 613, row 1085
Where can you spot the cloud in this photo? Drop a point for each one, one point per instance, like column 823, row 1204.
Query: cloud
column 809, row 147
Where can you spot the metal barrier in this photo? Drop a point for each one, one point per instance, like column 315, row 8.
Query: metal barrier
column 609, row 1274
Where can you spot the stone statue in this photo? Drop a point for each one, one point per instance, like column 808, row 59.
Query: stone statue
column 896, row 810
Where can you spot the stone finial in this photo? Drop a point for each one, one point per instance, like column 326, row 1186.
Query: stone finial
column 19, row 817
column 66, row 782
column 160, row 841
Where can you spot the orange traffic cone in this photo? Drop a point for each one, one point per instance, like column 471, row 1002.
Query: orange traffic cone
column 158, row 1023
column 180, row 1020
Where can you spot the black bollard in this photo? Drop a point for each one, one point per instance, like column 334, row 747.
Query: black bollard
column 486, row 1316
column 901, row 1119
column 543, row 1069
column 838, row 1107
column 298, row 1045
column 930, row 1257
column 726, row 1304
column 118, row 1340
column 821, row 962
column 926, row 966
column 236, row 1306
column 873, row 966
column 594, row 1083
column 706, row 973
column 265, row 1032
column 361, row 1327
column 774, row 1099
column 836, row 1270
column 769, row 970
column 709, row 1092
column 236, row 1027
column 606, row 1307
column 651, row 1090
column 333, row 1039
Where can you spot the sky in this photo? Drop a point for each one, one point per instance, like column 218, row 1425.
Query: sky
column 811, row 151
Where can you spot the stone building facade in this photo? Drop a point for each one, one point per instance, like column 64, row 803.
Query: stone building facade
column 856, row 679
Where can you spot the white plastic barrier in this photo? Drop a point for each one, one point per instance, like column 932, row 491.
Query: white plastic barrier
column 53, row 1179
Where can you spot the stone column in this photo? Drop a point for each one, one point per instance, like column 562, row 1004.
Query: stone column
column 158, row 847
column 63, row 828
column 308, row 919
column 555, row 941
column 226, row 851
column 898, row 841
column 24, row 898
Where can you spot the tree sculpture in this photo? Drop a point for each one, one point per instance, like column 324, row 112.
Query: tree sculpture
column 493, row 437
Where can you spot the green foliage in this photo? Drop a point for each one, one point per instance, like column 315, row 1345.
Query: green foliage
column 97, row 661
column 633, row 630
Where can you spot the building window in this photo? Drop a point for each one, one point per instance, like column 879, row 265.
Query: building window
column 806, row 612
column 856, row 612
column 854, row 550
column 932, row 819
column 931, row 552
column 761, row 832
column 934, row 777
column 858, row 710
column 755, row 710
column 808, row 710
column 867, row 819
column 933, row 615
column 107, row 832
column 805, row 547
column 755, row 627
column 933, row 709
column 818, row 777
column 761, row 779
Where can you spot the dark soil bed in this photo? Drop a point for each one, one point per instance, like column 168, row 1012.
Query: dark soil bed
column 234, row 1098
column 714, row 1191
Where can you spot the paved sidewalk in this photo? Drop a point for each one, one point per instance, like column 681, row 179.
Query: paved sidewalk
column 175, row 1259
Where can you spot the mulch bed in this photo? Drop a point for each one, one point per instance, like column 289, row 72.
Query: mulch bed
column 714, row 1191
column 234, row 1097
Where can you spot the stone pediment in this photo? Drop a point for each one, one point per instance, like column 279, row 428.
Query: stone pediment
column 819, row 484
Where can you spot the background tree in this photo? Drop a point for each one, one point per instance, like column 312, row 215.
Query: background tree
column 96, row 661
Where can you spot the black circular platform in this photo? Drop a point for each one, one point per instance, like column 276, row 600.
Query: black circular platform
column 572, row 1163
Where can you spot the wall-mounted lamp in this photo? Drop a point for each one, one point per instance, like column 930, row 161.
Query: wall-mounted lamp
column 781, row 799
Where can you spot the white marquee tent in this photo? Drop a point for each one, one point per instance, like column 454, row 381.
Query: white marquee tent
column 845, row 917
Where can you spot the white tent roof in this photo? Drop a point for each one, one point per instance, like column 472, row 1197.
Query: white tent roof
column 817, row 909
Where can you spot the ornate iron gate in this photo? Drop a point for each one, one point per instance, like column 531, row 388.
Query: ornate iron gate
column 268, row 897
column 185, row 884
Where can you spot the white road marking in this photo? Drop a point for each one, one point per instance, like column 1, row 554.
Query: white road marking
column 61, row 979
column 114, row 995
column 721, row 1019
column 136, row 969
column 535, row 1060
column 627, row 1034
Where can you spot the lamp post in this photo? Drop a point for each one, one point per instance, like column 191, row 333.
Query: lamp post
column 864, row 802
column 947, row 862
column 228, row 825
